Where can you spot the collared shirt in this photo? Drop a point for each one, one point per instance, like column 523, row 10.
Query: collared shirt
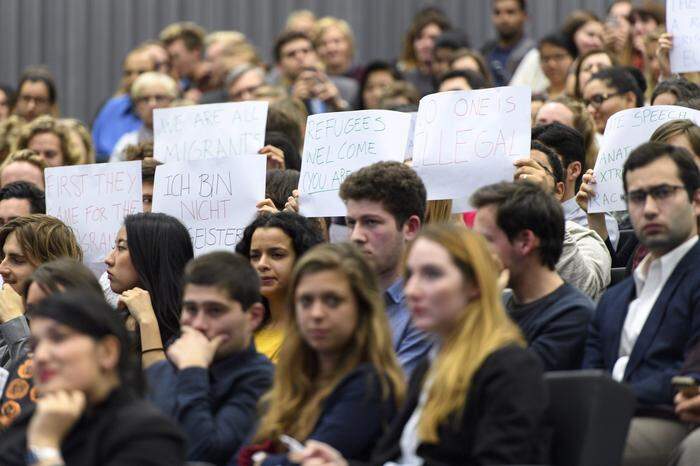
column 649, row 279
column 410, row 343
column 576, row 214
column 116, row 118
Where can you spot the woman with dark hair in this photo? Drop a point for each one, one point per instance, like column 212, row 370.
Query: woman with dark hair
column 273, row 243
column 556, row 56
column 584, row 30
column 145, row 268
column 589, row 64
column 89, row 412
column 378, row 76
column 610, row 91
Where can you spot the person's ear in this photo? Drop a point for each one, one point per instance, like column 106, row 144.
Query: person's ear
column 526, row 242
column 696, row 203
column 256, row 314
column 107, row 352
column 630, row 99
column 559, row 188
column 573, row 171
column 411, row 228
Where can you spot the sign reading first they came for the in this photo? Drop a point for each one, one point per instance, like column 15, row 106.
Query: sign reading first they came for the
column 93, row 200
column 214, row 198
column 209, row 131
column 625, row 131
column 464, row 140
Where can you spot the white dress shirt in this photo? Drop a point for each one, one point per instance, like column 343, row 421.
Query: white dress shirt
column 650, row 277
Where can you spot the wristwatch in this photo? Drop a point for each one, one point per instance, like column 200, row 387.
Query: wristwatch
column 36, row 455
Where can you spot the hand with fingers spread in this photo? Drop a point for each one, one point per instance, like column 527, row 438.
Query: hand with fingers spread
column 194, row 349
column 55, row 415
column 266, row 206
column 11, row 305
column 275, row 157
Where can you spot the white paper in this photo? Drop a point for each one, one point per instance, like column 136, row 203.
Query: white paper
column 468, row 139
column 93, row 200
column 683, row 22
column 411, row 132
column 215, row 198
column 337, row 144
column 209, row 131
column 624, row 132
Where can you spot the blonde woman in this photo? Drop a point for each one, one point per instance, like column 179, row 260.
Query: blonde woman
column 337, row 380
column 479, row 397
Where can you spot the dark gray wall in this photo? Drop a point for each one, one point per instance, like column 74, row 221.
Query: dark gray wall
column 84, row 41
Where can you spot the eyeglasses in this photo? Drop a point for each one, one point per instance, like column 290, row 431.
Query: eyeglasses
column 597, row 100
column 26, row 98
column 159, row 98
column 658, row 193
column 557, row 57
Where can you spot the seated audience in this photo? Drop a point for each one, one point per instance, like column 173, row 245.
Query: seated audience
column 23, row 165
column 19, row 199
column 273, row 243
column 479, row 397
column 90, row 385
column 375, row 81
column 36, row 94
column 524, row 227
column 589, row 64
column 610, row 91
column 644, row 326
column 50, row 139
column 213, row 377
column 386, row 204
column 337, row 380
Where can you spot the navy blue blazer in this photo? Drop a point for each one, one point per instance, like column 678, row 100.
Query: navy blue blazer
column 668, row 335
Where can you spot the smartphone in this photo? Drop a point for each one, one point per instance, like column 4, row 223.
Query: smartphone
column 686, row 385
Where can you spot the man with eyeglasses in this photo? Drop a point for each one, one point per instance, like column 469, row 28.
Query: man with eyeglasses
column 36, row 94
column 150, row 91
column 644, row 326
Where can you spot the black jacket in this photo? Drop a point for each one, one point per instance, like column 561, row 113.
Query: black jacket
column 502, row 420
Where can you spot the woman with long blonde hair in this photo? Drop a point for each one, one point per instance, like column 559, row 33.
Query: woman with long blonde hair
column 479, row 397
column 337, row 379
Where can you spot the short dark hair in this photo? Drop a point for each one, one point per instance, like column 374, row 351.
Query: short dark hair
column 453, row 39
column 557, row 39
column 279, row 185
column 567, row 142
column 28, row 191
column 525, row 206
column 621, row 80
column 680, row 87
column 303, row 232
column 396, row 186
column 281, row 121
column 372, row 67
column 10, row 94
column 651, row 151
column 292, row 159
column 39, row 74
column 552, row 158
column 227, row 271
column 474, row 79
column 521, row 3
column 693, row 103
column 285, row 38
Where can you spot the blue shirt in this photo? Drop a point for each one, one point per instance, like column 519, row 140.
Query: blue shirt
column 116, row 118
column 497, row 60
column 410, row 343
column 216, row 407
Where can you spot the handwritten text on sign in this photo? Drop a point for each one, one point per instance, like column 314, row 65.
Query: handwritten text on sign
column 467, row 139
column 337, row 144
column 683, row 22
column 209, row 131
column 625, row 131
column 215, row 199
column 93, row 200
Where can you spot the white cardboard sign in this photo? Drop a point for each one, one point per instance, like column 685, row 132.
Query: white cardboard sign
column 468, row 139
column 209, row 131
column 625, row 131
column 337, row 144
column 93, row 200
column 683, row 22
column 215, row 198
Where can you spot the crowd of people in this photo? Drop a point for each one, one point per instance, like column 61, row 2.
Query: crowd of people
column 401, row 334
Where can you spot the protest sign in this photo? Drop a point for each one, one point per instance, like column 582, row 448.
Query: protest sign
column 683, row 22
column 467, row 139
column 411, row 132
column 625, row 131
column 215, row 198
column 93, row 200
column 209, row 131
column 337, row 144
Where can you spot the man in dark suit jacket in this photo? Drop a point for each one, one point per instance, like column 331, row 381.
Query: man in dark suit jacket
column 645, row 326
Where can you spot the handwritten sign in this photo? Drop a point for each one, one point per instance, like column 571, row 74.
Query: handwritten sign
column 625, row 131
column 209, row 131
column 468, row 139
column 411, row 132
column 337, row 144
column 683, row 22
column 93, row 200
column 215, row 199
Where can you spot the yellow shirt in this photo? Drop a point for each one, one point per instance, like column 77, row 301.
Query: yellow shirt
column 268, row 342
